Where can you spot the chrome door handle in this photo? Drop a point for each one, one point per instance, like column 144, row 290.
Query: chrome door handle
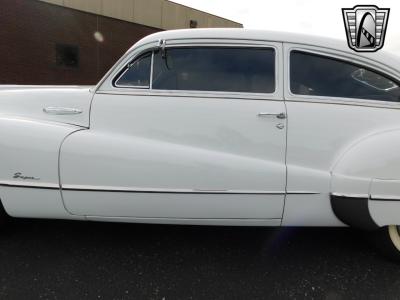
column 281, row 115
column 62, row 111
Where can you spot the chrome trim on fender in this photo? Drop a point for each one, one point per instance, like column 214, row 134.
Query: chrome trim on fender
column 369, row 197
column 350, row 195
column 384, row 198
column 32, row 185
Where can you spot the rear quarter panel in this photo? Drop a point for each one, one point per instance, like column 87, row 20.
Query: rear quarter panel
column 370, row 169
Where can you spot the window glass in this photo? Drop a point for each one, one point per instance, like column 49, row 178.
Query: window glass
column 322, row 76
column 67, row 55
column 215, row 69
column 137, row 73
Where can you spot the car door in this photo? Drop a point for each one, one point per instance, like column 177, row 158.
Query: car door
column 187, row 132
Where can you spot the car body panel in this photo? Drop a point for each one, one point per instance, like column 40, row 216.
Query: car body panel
column 28, row 102
column 378, row 180
column 191, row 157
column 186, row 154
column 314, row 165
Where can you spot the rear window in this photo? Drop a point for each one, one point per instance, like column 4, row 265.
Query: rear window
column 318, row 75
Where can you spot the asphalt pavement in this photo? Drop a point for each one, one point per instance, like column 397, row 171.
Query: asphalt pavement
column 85, row 260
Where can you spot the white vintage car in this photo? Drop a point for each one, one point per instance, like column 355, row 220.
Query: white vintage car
column 213, row 127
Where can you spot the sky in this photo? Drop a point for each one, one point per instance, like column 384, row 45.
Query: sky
column 317, row 17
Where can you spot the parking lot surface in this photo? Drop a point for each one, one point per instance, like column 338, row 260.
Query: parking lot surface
column 82, row 260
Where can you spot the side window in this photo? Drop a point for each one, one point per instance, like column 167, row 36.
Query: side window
column 249, row 70
column 317, row 75
column 136, row 74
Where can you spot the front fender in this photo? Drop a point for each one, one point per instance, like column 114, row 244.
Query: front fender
column 29, row 154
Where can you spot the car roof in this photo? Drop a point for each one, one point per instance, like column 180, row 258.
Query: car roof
column 389, row 60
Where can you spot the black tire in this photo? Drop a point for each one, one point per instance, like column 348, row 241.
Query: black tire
column 387, row 240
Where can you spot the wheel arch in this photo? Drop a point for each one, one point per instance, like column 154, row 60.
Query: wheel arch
column 369, row 169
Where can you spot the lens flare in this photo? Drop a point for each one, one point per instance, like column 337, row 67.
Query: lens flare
column 98, row 36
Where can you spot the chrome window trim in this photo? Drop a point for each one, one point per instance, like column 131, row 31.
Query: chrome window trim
column 144, row 87
column 151, row 70
column 135, row 52
column 124, row 59
column 106, row 87
column 347, row 102
column 233, row 46
column 191, row 94
column 335, row 54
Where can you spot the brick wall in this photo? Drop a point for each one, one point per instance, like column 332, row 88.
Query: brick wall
column 30, row 31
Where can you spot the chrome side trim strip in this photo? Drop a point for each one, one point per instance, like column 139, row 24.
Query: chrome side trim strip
column 350, row 195
column 32, row 185
column 302, row 193
column 88, row 188
column 369, row 197
column 384, row 198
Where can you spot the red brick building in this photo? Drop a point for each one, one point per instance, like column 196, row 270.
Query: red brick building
column 73, row 43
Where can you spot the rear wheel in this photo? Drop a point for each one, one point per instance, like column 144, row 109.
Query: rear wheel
column 388, row 241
